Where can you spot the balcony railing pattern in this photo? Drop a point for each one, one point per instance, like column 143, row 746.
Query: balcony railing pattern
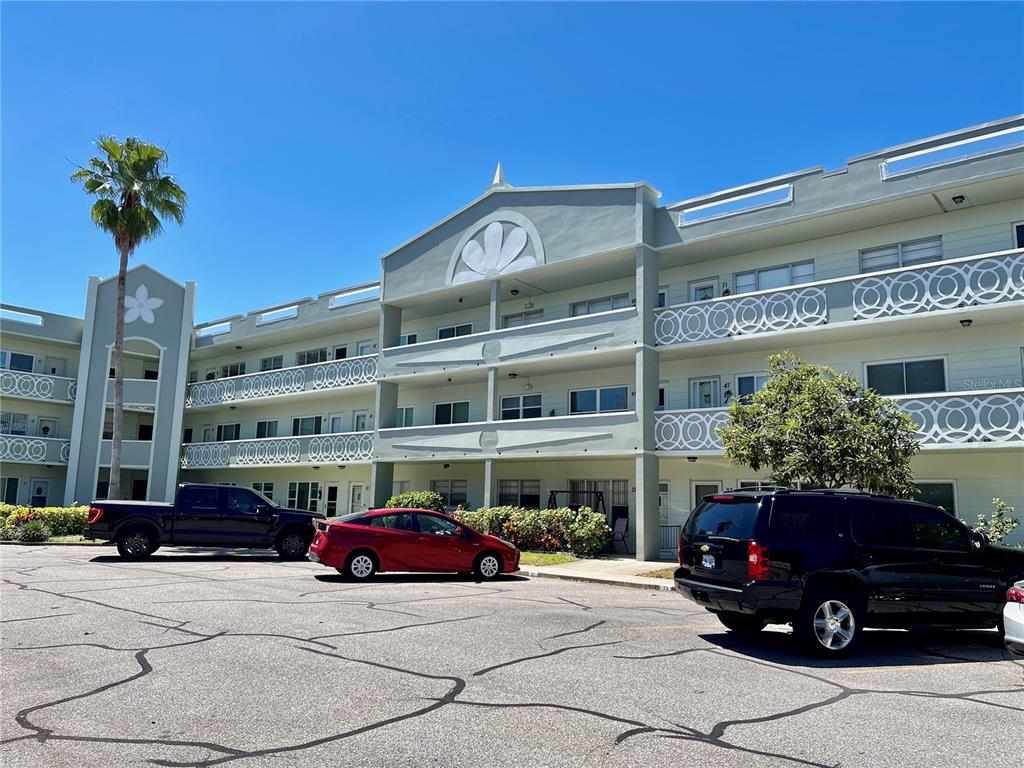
column 37, row 386
column 34, row 450
column 743, row 315
column 283, row 381
column 962, row 284
column 995, row 416
column 280, row 451
column 987, row 279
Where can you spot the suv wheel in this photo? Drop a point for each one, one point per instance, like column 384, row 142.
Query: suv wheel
column 292, row 545
column 136, row 544
column 741, row 623
column 830, row 621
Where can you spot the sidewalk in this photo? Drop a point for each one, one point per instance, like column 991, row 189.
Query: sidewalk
column 620, row 571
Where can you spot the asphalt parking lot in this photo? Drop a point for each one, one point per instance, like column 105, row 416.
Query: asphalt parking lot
column 203, row 659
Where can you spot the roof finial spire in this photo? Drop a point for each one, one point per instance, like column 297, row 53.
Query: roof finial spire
column 499, row 177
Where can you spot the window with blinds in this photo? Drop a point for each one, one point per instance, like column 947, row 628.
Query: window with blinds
column 519, row 493
column 901, row 254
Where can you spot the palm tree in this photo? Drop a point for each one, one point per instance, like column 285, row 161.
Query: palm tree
column 134, row 197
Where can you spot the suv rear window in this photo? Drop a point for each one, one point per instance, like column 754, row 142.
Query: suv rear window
column 731, row 520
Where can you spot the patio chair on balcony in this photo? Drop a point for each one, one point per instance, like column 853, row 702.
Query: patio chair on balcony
column 619, row 533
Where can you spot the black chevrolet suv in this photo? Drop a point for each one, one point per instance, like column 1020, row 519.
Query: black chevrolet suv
column 833, row 562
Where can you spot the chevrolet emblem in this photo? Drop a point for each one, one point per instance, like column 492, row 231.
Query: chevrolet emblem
column 705, row 548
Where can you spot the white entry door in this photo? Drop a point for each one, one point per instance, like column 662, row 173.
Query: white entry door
column 356, row 494
column 331, row 499
column 38, row 492
column 48, row 426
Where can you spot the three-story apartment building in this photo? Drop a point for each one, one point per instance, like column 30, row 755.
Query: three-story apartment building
column 569, row 344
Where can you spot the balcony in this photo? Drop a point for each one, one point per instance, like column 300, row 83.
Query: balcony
column 946, row 420
column 37, row 386
column 338, row 448
column 137, row 392
column 975, row 281
column 601, row 331
column 316, row 377
column 21, row 449
column 591, row 434
column 135, row 454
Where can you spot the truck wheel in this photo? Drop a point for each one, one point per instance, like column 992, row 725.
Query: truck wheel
column 292, row 545
column 830, row 621
column 741, row 623
column 136, row 543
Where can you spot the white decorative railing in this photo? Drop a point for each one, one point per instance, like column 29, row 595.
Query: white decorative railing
column 280, row 451
column 959, row 418
column 37, row 386
column 800, row 307
column 987, row 279
column 948, row 286
column 34, row 450
column 283, row 381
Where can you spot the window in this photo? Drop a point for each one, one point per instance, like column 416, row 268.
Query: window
column 938, row 494
column 186, row 436
column 366, row 348
column 102, row 489
column 145, row 432
column 18, row 361
column 452, row 413
column 310, row 356
column 907, row 378
column 702, row 290
column 198, row 497
column 451, row 331
column 406, row 339
column 272, row 363
column 340, row 352
column 266, row 428
column 522, row 318
column 150, row 375
column 583, row 492
column 662, row 300
column 603, row 400
column 901, row 254
column 1018, row 235
column 933, row 529
column 403, row 416
column 436, row 526
column 400, row 486
column 704, row 393
column 13, row 423
column 664, row 506
column 803, row 519
column 775, row 277
column 878, row 524
column 453, row 491
column 750, row 383
column 241, row 502
column 521, row 407
column 303, row 495
column 604, row 304
column 193, row 377
column 228, row 432
column 9, row 490
column 362, row 421
column 267, row 489
column 307, row 425
column 662, row 397
column 400, row 521
column 108, row 431
column 519, row 493
column 232, row 369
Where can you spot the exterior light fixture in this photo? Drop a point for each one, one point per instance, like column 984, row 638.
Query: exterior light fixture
column 513, row 375
column 238, row 346
column 316, row 467
column 341, row 466
column 514, row 291
column 967, row 322
column 692, row 459
column 959, row 199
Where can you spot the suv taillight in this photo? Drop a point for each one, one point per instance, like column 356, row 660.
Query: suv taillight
column 95, row 513
column 759, row 565
column 1015, row 595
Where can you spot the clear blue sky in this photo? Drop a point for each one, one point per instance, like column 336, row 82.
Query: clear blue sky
column 314, row 137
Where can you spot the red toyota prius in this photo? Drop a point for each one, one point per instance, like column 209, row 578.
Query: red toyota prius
column 361, row 544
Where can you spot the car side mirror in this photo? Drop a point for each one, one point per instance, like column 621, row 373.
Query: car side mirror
column 460, row 531
column 978, row 539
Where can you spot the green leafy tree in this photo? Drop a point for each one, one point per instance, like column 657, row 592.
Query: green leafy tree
column 815, row 425
column 1000, row 525
column 133, row 199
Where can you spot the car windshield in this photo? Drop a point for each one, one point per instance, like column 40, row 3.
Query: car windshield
column 263, row 499
column 728, row 520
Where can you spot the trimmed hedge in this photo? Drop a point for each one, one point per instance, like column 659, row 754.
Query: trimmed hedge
column 61, row 521
column 417, row 500
column 583, row 532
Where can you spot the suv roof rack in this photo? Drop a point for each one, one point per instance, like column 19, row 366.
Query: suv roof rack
column 845, row 492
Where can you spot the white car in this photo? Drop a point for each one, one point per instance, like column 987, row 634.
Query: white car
column 1013, row 619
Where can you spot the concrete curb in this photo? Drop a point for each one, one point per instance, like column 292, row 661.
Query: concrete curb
column 55, row 543
column 668, row 586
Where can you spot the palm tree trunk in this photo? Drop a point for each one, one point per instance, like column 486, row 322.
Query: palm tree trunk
column 114, row 486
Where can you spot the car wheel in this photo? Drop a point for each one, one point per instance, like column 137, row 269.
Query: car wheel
column 292, row 545
column 360, row 566
column 488, row 566
column 136, row 543
column 742, row 623
column 830, row 622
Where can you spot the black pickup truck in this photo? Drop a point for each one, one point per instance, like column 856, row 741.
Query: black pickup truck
column 202, row 515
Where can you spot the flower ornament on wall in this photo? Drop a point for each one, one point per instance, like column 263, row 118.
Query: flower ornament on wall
column 499, row 252
column 141, row 305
